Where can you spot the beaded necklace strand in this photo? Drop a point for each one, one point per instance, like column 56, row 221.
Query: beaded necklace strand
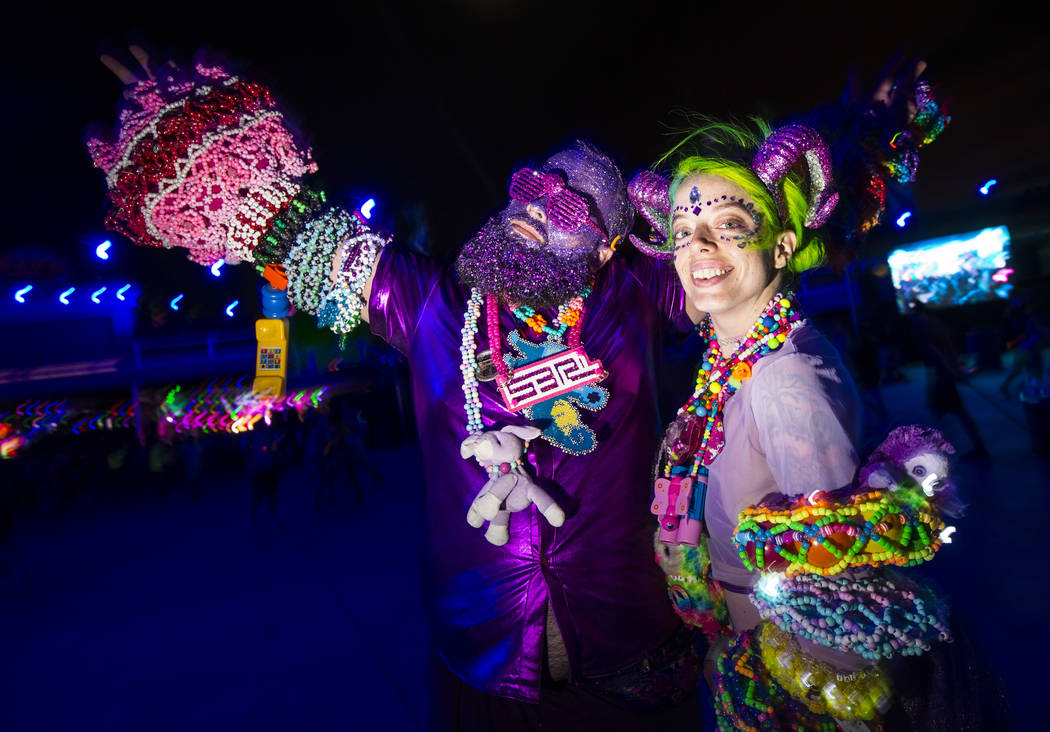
column 495, row 341
column 570, row 315
column 719, row 378
column 468, row 345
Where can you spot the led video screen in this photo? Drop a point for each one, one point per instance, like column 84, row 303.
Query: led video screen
column 953, row 270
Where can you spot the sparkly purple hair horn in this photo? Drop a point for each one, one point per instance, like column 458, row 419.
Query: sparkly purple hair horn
column 783, row 148
column 648, row 192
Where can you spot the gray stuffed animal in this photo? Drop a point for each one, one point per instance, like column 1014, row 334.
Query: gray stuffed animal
column 509, row 488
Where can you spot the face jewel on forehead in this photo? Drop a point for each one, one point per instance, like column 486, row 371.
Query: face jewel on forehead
column 694, row 195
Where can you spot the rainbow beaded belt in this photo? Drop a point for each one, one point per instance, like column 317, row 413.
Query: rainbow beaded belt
column 817, row 535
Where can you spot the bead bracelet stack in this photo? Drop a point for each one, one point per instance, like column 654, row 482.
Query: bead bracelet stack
column 341, row 308
column 309, row 262
column 277, row 241
column 878, row 616
column 747, row 698
column 825, row 537
column 823, row 689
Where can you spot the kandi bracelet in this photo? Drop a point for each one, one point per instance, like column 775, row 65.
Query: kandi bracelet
column 309, row 263
column 882, row 615
column 820, row 535
column 823, row 689
column 747, row 698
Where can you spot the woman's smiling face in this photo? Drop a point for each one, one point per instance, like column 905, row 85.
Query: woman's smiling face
column 714, row 225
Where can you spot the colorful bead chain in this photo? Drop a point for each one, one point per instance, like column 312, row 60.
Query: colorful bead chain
column 826, row 536
column 569, row 314
column 467, row 349
column 878, row 616
column 747, row 698
column 495, row 340
column 719, row 377
column 495, row 471
column 823, row 689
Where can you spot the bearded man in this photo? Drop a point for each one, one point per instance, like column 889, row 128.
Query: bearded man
column 537, row 325
column 585, row 596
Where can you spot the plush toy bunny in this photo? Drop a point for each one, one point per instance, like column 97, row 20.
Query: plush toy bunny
column 509, row 487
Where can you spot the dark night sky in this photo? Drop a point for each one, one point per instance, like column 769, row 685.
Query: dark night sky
column 435, row 103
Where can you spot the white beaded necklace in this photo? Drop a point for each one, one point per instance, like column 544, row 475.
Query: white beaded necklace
column 468, row 345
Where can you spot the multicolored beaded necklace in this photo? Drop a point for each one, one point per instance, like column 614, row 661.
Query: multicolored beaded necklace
column 570, row 316
column 700, row 432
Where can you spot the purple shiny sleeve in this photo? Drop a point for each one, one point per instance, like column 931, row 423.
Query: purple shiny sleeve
column 400, row 289
column 660, row 283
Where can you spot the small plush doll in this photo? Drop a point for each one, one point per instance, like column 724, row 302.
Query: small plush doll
column 914, row 455
column 509, row 488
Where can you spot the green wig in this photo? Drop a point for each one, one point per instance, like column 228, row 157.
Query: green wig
column 725, row 149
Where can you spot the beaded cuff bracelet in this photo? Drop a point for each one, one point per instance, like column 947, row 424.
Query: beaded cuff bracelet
column 341, row 308
column 825, row 537
column 278, row 240
column 309, row 262
column 879, row 616
column 823, row 689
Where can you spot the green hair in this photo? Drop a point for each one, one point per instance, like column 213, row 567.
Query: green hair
column 716, row 148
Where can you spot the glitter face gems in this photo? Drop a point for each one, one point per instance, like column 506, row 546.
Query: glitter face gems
column 719, row 275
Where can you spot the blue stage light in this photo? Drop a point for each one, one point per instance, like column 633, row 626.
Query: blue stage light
column 987, row 187
column 20, row 295
column 95, row 295
column 902, row 220
column 122, row 290
column 64, row 297
column 102, row 250
column 366, row 208
column 230, row 307
column 175, row 301
column 215, row 268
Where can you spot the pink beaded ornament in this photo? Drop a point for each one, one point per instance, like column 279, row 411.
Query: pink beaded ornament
column 203, row 162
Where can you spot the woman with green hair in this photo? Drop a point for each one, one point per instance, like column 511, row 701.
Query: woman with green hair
column 774, row 409
column 758, row 470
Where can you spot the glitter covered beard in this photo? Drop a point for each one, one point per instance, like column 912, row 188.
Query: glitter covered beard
column 496, row 261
